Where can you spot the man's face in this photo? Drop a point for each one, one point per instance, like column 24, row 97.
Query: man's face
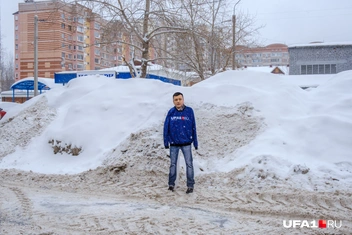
column 178, row 101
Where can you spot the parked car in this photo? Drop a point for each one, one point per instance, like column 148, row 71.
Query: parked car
column 2, row 113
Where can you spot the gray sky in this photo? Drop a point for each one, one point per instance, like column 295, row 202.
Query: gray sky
column 301, row 21
column 286, row 21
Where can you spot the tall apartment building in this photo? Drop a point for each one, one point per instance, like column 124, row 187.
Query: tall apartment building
column 270, row 55
column 69, row 38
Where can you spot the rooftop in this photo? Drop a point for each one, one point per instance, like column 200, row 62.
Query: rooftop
column 316, row 44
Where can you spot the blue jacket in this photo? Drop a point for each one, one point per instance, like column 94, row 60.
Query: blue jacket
column 180, row 128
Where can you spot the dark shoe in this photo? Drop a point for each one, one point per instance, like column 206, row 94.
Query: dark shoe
column 171, row 188
column 189, row 190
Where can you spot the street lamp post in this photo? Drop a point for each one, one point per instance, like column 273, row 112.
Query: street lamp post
column 35, row 55
column 234, row 36
column 233, row 40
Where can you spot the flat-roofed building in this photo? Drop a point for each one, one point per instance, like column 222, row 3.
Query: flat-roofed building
column 320, row 58
column 271, row 55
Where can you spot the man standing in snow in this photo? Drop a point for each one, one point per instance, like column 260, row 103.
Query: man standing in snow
column 179, row 133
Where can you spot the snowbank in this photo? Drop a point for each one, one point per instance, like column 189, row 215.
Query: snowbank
column 247, row 120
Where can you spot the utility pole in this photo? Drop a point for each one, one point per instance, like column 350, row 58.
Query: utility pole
column 233, row 40
column 234, row 36
column 35, row 55
column 1, row 65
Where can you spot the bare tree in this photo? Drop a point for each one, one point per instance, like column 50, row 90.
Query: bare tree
column 7, row 71
column 195, row 35
column 208, row 47
column 141, row 19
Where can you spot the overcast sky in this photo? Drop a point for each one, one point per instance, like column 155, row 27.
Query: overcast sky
column 301, row 21
column 286, row 21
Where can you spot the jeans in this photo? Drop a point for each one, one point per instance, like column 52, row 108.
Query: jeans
column 187, row 153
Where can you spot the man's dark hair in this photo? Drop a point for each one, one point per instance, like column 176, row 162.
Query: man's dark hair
column 177, row 94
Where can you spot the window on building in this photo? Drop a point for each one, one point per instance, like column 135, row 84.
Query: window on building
column 309, row 69
column 63, row 16
column 97, row 61
column 63, row 55
column 16, row 27
column 70, row 28
column 80, row 66
column 80, row 29
column 63, row 45
column 16, row 46
column 97, row 34
column 318, row 69
column 321, row 69
column 16, row 56
column 96, row 25
column 97, row 51
column 80, row 57
column 47, row 64
column 16, row 36
column 62, row 25
column 63, row 36
column 16, row 17
column 315, row 69
column 327, row 69
column 80, row 38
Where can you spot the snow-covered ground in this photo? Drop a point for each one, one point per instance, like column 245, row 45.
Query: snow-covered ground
column 88, row 158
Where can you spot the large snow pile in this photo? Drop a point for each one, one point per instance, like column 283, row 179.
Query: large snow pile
column 252, row 126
